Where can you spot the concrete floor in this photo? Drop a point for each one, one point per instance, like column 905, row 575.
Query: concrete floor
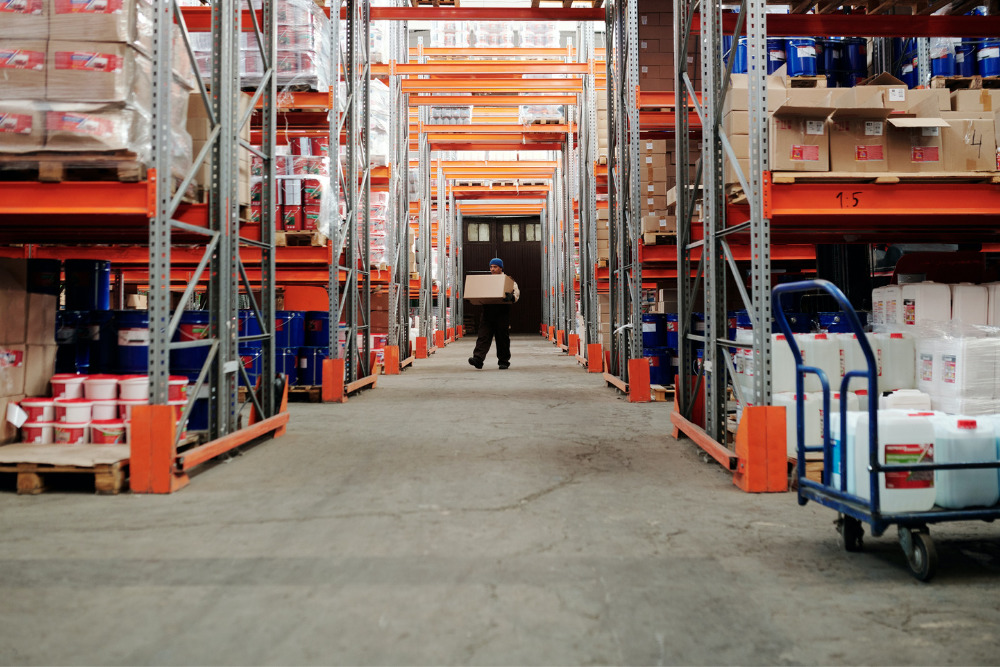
column 455, row 516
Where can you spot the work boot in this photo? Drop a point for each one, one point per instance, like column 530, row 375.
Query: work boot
column 504, row 365
column 475, row 362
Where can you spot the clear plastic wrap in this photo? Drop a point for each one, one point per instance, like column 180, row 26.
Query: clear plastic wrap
column 450, row 35
column 540, row 113
column 539, row 35
column 24, row 19
column 125, row 21
column 493, row 34
column 957, row 364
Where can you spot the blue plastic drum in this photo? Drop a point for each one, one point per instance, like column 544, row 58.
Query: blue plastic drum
column 198, row 418
column 798, row 322
column 659, row 365
column 965, row 57
column 909, row 73
column 989, row 57
column 287, row 362
column 855, row 61
column 44, row 276
column 740, row 56
column 88, row 284
column 672, row 330
column 249, row 326
column 194, row 325
column 837, row 322
column 311, row 365
column 654, row 330
column 801, row 53
column 101, row 335
column 942, row 58
column 830, row 60
column 251, row 358
column 133, row 341
column 317, row 328
column 289, row 328
column 69, row 357
column 727, row 45
column 775, row 54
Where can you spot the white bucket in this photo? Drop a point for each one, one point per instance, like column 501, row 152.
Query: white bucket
column 905, row 399
column 73, row 410
column 896, row 361
column 67, row 385
column 38, row 433
column 963, row 440
column 101, row 387
column 100, row 410
column 134, row 387
column 812, row 424
column 926, row 302
column 71, row 434
column 969, row 303
column 902, row 439
column 125, row 407
column 39, row 409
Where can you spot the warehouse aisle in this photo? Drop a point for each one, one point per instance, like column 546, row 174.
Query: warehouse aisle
column 455, row 516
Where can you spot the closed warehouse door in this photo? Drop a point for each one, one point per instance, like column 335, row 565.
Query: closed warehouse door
column 517, row 241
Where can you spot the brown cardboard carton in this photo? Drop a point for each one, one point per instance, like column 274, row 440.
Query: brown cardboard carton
column 41, row 319
column 736, row 123
column 969, row 142
column 737, row 97
column 859, row 145
column 654, row 189
column 98, row 72
column 603, row 230
column 13, row 301
column 915, row 140
column 975, row 100
column 799, row 137
column 22, row 127
column 12, row 362
column 24, row 19
column 123, row 21
column 96, row 127
column 489, row 288
column 659, row 223
column 8, row 432
column 40, row 365
column 22, row 68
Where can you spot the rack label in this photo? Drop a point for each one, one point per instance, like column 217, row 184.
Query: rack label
column 805, row 153
column 924, row 154
column 907, row 454
column 22, row 59
column 874, row 128
column 869, row 153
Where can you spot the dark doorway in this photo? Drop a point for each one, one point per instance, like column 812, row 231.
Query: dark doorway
column 517, row 241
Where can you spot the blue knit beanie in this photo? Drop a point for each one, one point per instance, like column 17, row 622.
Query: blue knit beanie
column 496, row 261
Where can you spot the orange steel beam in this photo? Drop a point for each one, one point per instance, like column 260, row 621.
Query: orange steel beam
column 497, row 128
column 517, row 85
column 493, row 137
column 488, row 100
column 490, row 67
column 198, row 455
column 501, row 209
column 495, row 146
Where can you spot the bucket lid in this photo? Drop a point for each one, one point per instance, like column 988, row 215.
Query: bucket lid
column 966, row 423
column 72, row 424
column 73, row 401
column 101, row 378
column 38, row 424
column 68, row 377
column 38, row 400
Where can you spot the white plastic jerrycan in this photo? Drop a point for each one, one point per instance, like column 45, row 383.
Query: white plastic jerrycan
column 902, row 439
column 965, row 440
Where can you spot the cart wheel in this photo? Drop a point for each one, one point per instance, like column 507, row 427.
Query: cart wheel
column 920, row 552
column 852, row 533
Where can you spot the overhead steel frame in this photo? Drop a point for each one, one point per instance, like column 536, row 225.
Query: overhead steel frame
column 353, row 237
column 625, row 270
column 587, row 148
column 222, row 371
column 710, row 378
column 399, row 201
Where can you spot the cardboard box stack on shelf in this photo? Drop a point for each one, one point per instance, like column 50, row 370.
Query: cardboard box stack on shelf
column 654, row 176
column 199, row 127
column 27, row 341
column 879, row 126
column 656, row 48
column 77, row 78
column 602, row 125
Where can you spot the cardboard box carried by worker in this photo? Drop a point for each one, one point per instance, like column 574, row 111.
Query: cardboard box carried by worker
column 488, row 288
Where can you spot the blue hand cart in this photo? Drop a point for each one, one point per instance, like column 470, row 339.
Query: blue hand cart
column 853, row 511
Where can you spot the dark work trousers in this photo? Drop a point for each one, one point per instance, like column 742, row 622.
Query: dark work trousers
column 494, row 322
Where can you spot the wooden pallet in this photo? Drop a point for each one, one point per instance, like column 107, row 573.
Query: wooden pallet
column 38, row 465
column 661, row 393
column 966, row 82
column 310, row 238
column 655, row 238
column 310, row 394
column 889, row 178
column 122, row 166
column 817, row 81
column 548, row 121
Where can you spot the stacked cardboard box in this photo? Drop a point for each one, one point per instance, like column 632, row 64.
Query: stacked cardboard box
column 654, row 176
column 77, row 77
column 199, row 127
column 602, row 123
column 603, row 234
column 27, row 341
column 656, row 48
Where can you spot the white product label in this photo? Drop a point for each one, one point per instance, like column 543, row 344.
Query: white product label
column 649, row 327
column 959, row 57
column 992, row 52
column 651, row 188
column 645, row 70
column 643, row 19
column 129, row 337
column 897, row 94
column 873, row 128
column 906, row 69
column 930, row 132
column 642, row 45
column 815, row 126
column 649, row 145
column 806, row 51
column 649, row 159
